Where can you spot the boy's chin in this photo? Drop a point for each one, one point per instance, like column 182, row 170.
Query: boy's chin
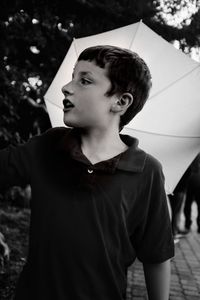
column 78, row 124
column 69, row 123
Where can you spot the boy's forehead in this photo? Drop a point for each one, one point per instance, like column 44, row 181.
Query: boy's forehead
column 88, row 67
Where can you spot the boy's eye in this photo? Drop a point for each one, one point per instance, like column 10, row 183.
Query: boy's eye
column 85, row 81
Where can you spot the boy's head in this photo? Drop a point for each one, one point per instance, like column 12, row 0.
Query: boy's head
column 127, row 72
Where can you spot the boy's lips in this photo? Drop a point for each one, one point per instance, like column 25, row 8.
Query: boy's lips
column 67, row 104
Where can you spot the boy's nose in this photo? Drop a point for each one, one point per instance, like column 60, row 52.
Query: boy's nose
column 67, row 89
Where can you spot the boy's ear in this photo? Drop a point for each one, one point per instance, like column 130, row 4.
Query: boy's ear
column 122, row 103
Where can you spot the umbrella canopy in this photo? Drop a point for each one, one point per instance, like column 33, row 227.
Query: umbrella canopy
column 168, row 127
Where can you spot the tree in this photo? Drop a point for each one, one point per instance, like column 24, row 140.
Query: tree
column 183, row 15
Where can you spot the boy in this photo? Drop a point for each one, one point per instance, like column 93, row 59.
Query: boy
column 98, row 201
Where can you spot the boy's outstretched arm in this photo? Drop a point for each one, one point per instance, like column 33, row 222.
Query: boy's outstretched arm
column 157, row 277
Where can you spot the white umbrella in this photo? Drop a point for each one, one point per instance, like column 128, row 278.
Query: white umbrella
column 168, row 127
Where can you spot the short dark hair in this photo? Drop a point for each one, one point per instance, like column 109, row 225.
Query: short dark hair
column 127, row 72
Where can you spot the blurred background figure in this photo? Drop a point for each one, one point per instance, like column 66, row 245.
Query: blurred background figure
column 177, row 202
column 193, row 194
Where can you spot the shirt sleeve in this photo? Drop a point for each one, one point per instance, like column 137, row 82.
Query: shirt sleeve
column 153, row 239
column 18, row 164
column 15, row 165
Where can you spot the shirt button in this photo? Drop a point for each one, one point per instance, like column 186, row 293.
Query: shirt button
column 90, row 171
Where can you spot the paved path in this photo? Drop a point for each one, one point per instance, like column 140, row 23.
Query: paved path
column 185, row 278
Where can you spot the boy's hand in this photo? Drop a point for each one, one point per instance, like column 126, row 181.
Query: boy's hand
column 4, row 252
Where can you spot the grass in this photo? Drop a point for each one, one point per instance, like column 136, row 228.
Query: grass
column 14, row 224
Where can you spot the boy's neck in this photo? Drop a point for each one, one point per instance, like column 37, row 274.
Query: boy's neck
column 99, row 145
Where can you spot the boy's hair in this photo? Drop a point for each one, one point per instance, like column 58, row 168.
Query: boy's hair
column 127, row 73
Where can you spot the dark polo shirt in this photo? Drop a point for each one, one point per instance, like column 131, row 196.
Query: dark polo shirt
column 88, row 222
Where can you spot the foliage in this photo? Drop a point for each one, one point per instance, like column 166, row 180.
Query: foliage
column 15, row 227
column 183, row 18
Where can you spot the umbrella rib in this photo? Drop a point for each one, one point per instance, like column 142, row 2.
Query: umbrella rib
column 52, row 103
column 168, row 86
column 75, row 48
column 161, row 134
column 132, row 41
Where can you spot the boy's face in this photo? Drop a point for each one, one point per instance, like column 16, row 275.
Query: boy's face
column 85, row 104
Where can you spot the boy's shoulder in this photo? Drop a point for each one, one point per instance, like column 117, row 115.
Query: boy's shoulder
column 48, row 140
column 52, row 135
column 56, row 132
column 137, row 159
column 153, row 163
column 153, row 169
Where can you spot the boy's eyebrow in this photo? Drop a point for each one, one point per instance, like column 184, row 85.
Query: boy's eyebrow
column 83, row 73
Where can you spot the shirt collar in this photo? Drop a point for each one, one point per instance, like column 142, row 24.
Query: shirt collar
column 133, row 159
